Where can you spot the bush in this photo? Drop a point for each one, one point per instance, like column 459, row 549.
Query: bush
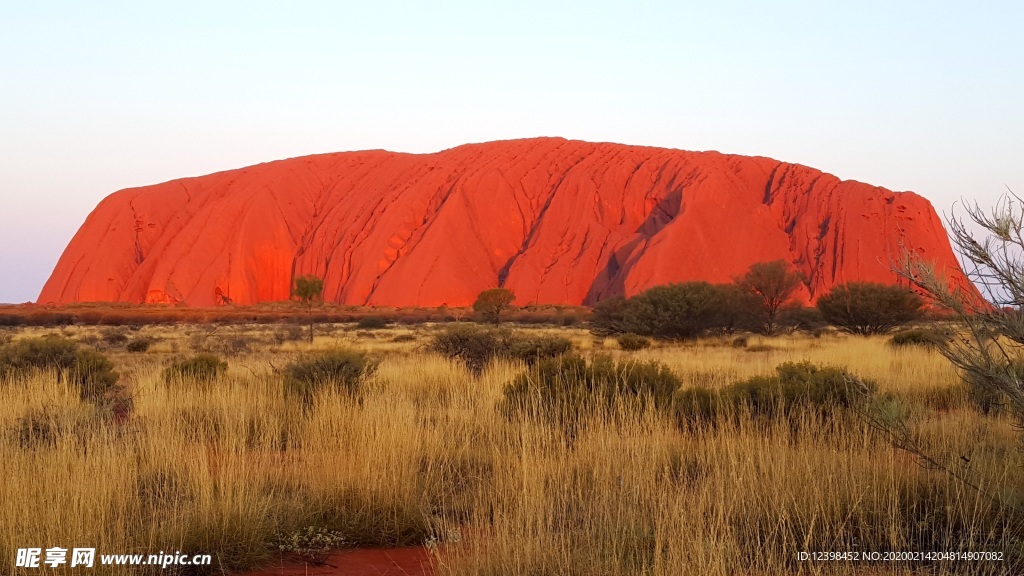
column 288, row 334
column 915, row 337
column 371, row 323
column 611, row 316
column 471, row 345
column 676, row 311
column 140, row 344
column 532, row 348
column 807, row 319
column 475, row 346
column 115, row 337
column 91, row 372
column 11, row 320
column 340, row 369
column 870, row 308
column 561, row 388
column 632, row 342
column 201, row 368
column 794, row 386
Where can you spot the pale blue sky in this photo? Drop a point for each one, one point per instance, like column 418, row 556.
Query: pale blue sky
column 100, row 96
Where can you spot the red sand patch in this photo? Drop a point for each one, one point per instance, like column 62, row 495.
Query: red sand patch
column 413, row 561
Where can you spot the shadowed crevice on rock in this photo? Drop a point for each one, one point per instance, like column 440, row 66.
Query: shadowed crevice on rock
column 610, row 281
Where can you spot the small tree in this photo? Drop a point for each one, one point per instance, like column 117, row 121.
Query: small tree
column 491, row 303
column 309, row 290
column 771, row 286
column 870, row 308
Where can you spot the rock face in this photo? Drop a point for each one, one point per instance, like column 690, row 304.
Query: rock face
column 556, row 221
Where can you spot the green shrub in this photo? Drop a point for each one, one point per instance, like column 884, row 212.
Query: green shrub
column 561, row 388
column 475, row 346
column 471, row 345
column 675, row 312
column 115, row 337
column 371, row 323
column 201, row 368
column 91, row 372
column 794, row 386
column 869, row 308
column 94, row 374
column 342, row 370
column 612, row 316
column 633, row 342
column 139, row 345
column 915, row 337
column 807, row 319
column 532, row 348
column 697, row 404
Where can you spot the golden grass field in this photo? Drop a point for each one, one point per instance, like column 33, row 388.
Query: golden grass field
column 424, row 457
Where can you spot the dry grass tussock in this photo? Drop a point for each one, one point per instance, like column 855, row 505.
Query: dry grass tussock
column 422, row 454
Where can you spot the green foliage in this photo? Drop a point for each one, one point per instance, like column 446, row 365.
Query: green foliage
column 490, row 304
column 94, row 375
column 612, row 316
column 115, row 337
column 91, row 372
column 531, row 348
column 308, row 289
column 794, row 386
column 201, row 368
column 870, row 308
column 371, row 323
column 808, row 319
column 563, row 387
column 139, row 345
column 631, row 342
column 476, row 346
column 675, row 311
column 343, row 370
